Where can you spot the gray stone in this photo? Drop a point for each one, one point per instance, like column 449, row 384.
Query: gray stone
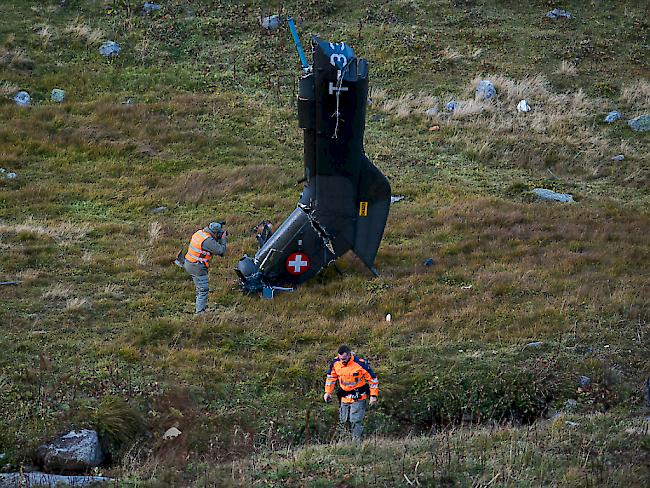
column 584, row 381
column 57, row 95
column 640, row 124
column 110, row 49
column 431, row 112
column 551, row 195
column 159, row 210
column 12, row 480
column 23, row 99
column 451, row 106
column 11, row 176
column 613, row 116
column 396, row 198
column 75, row 451
column 428, row 262
column 619, row 157
column 570, row 404
column 271, row 22
column 558, row 13
column 485, row 90
column 535, row 345
column 149, row 7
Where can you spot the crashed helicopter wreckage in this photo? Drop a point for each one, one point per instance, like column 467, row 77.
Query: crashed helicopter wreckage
column 345, row 202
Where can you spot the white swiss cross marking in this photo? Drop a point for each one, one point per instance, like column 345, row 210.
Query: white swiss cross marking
column 297, row 263
column 333, row 88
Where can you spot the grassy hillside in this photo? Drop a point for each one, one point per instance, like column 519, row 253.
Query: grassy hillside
column 196, row 115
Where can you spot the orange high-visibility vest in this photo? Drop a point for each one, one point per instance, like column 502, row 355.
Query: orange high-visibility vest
column 195, row 254
column 354, row 375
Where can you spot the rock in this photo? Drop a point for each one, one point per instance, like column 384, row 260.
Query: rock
column 159, row 210
column 22, row 99
column 75, row 451
column 535, row 345
column 551, row 195
column 434, row 128
column 431, row 112
column 12, row 480
column 110, row 49
column 57, row 95
column 619, row 157
column 640, row 124
column 270, row 23
column 389, row 317
column 396, row 198
column 149, row 7
column 485, row 90
column 612, row 117
column 11, row 176
column 570, row 404
column 428, row 262
column 451, row 106
column 572, row 424
column 523, row 107
column 584, row 381
column 376, row 118
column 558, row 13
column 171, row 433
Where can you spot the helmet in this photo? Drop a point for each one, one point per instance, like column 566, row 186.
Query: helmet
column 215, row 227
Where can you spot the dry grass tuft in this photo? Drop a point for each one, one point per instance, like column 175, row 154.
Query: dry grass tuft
column 112, row 290
column 62, row 232
column 16, row 59
column 58, row 290
column 451, row 54
column 141, row 258
column 84, row 32
column 8, row 89
column 155, row 232
column 567, row 68
column 77, row 304
column 637, row 94
column 44, row 32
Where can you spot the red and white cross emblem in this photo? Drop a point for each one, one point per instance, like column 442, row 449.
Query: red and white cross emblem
column 297, row 263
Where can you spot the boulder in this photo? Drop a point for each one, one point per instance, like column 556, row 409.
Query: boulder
column 612, row 117
column 558, row 13
column 485, row 90
column 523, row 106
column 22, row 99
column 11, row 480
column 545, row 194
column 110, row 49
column 75, row 451
column 149, row 7
column 271, row 22
column 57, row 95
column 640, row 124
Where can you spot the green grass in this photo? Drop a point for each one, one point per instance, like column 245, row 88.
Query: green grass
column 100, row 331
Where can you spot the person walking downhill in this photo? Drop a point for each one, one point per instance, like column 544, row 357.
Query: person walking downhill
column 358, row 385
column 203, row 244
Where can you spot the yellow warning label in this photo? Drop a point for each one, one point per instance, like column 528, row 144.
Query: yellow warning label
column 363, row 209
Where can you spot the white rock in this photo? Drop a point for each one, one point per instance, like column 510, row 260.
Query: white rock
column 389, row 317
column 523, row 107
column 171, row 433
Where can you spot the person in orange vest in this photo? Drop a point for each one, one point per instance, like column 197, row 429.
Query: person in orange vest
column 358, row 385
column 203, row 245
